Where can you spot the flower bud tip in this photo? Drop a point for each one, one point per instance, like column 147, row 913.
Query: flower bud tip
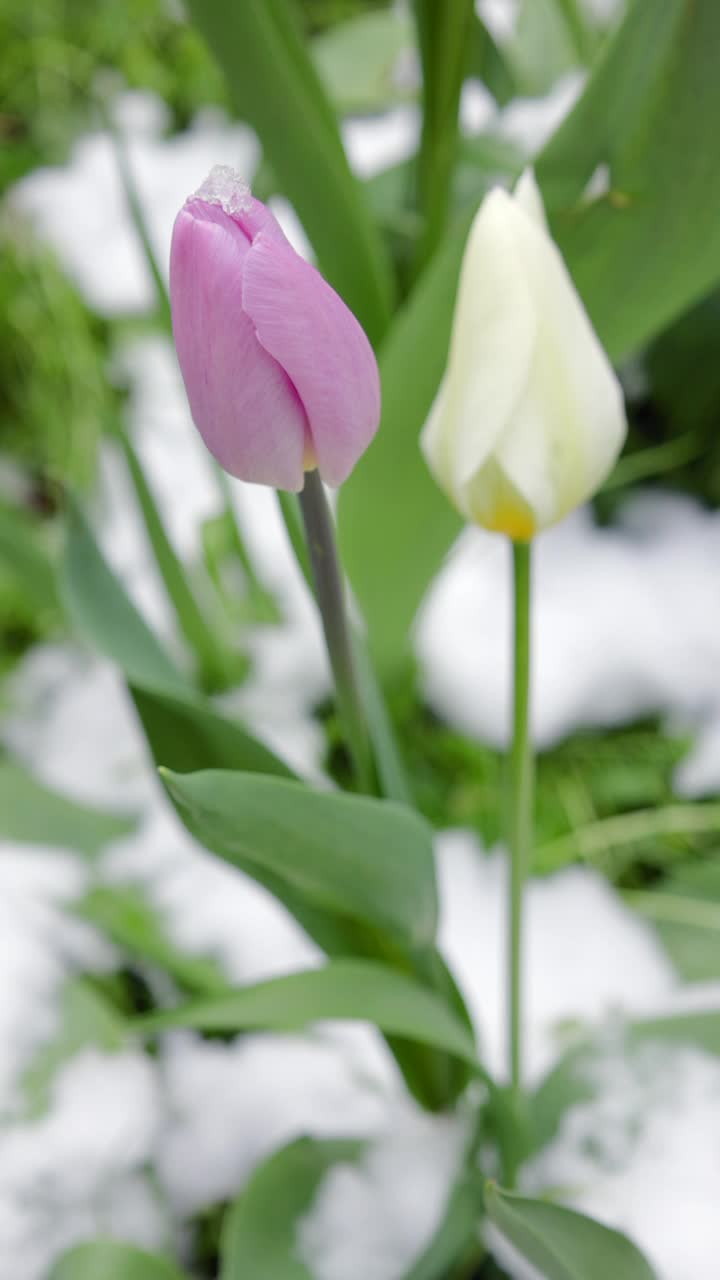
column 224, row 186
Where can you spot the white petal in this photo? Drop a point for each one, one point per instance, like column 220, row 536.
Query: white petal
column 491, row 346
column 528, row 198
column 569, row 425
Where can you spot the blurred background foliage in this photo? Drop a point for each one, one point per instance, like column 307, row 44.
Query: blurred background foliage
column 57, row 399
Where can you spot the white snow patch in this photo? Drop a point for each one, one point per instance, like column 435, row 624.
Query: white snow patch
column 375, row 1216
column 40, row 947
column 644, row 1155
column 626, row 623
column 232, row 1105
column 78, row 1171
column 585, row 954
column 80, row 209
column 376, row 143
column 531, row 122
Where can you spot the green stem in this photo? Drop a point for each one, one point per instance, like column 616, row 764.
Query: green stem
column 520, row 829
column 330, row 594
column 390, row 768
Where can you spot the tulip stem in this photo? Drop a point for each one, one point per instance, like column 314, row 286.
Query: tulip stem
column 331, row 598
column 520, row 831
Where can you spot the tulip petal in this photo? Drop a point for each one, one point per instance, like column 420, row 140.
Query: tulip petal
column 491, row 348
column 527, row 196
column 308, row 329
column 569, row 424
column 492, row 501
column 241, row 400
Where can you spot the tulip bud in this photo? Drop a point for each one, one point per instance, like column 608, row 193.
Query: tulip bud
column 279, row 374
column 529, row 417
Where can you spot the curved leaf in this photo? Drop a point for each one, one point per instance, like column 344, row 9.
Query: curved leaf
column 357, row 990
column 363, row 859
column 564, row 1245
column 259, row 1232
column 33, row 814
column 183, row 729
column 110, row 1260
column 648, row 247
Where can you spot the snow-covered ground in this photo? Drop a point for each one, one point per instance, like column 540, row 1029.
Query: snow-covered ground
column 130, row 1144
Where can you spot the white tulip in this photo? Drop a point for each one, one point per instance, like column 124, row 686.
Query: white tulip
column 529, row 417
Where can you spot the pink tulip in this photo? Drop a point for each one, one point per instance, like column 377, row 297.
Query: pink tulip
column 279, row 374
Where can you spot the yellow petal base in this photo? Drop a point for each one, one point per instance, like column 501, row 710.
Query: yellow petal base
column 513, row 521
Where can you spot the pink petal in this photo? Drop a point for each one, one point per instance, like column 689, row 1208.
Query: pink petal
column 303, row 323
column 242, row 402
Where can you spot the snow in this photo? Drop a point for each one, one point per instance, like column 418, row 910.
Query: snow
column 79, row 1170
column 644, row 1155
column 571, row 970
column 627, row 624
column 347, row 1233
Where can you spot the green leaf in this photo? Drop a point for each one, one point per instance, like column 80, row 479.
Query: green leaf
column 22, row 554
column 367, row 859
column 364, row 859
column 444, row 34
column 128, row 919
column 456, row 1233
column 275, row 88
column 390, row 500
column 85, row 1017
column 110, row 1260
column 104, row 615
column 200, row 632
column 698, row 1027
column 686, row 915
column 487, row 62
column 33, row 814
column 182, row 728
column 550, row 39
column 357, row 60
column 259, row 1233
column 647, row 249
column 186, row 734
column 563, row 1244
column 357, row 990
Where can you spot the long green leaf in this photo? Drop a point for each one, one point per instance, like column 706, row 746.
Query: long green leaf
column 186, row 734
column 259, row 1232
column 183, row 729
column 444, row 34
column 275, row 88
column 563, row 1244
column 104, row 615
column 214, row 661
column 32, row 814
column 110, row 1260
column 650, row 246
column 357, row 990
column 363, row 859
column 394, row 524
column 129, row 920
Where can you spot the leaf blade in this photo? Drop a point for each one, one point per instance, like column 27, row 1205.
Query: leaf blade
column 356, row 990
column 564, row 1244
